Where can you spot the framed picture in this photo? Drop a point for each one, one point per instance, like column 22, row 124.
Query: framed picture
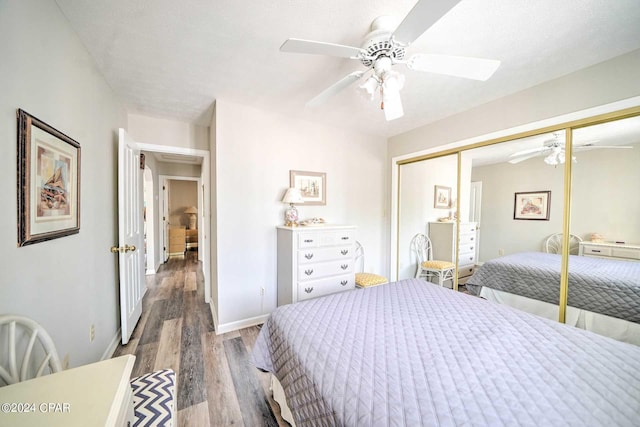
column 48, row 182
column 442, row 197
column 312, row 186
column 532, row 205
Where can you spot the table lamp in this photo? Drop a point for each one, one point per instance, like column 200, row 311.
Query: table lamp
column 292, row 196
column 192, row 212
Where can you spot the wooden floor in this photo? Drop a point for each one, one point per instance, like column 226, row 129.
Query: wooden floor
column 216, row 383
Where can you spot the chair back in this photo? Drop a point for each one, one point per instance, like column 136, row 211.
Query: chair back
column 27, row 350
column 359, row 258
column 553, row 244
column 421, row 246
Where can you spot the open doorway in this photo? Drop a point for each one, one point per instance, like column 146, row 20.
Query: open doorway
column 149, row 222
column 181, row 222
column 178, row 163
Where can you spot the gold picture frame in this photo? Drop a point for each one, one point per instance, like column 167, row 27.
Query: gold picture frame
column 48, row 182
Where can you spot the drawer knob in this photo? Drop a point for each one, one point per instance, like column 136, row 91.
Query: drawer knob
column 344, row 251
column 471, row 248
column 595, row 250
column 308, row 256
column 471, row 239
column 344, row 266
column 309, row 272
column 308, row 240
column 308, row 290
column 345, row 238
column 344, row 282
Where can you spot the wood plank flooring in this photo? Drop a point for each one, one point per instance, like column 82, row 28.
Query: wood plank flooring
column 216, row 383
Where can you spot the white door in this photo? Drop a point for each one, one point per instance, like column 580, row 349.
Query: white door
column 476, row 209
column 130, row 234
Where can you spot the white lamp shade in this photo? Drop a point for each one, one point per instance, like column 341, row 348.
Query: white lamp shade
column 292, row 195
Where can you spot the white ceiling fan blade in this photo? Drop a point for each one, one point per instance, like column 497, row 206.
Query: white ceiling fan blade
column 319, row 48
column 423, row 15
column 592, row 147
column 335, row 88
column 529, row 151
column 525, row 157
column 459, row 66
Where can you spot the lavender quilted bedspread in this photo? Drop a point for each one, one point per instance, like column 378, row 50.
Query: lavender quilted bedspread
column 411, row 353
column 604, row 286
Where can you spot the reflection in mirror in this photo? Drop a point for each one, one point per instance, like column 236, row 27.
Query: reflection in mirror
column 604, row 274
column 519, row 208
column 427, row 194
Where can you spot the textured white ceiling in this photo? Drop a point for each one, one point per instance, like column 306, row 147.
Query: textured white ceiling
column 173, row 59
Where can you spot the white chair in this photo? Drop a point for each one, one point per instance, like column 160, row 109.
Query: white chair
column 29, row 350
column 553, row 244
column 364, row 280
column 429, row 268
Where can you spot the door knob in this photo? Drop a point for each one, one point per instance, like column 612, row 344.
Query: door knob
column 125, row 249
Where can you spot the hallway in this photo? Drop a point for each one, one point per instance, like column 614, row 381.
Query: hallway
column 216, row 383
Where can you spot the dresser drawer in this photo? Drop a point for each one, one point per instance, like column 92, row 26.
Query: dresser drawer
column 323, row 269
column 596, row 250
column 625, row 253
column 466, row 239
column 464, row 271
column 330, row 285
column 468, row 247
column 308, row 240
column 312, row 255
column 468, row 258
column 337, row 238
column 468, row 228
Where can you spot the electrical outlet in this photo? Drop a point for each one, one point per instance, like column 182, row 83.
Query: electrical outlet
column 65, row 362
column 92, row 333
column 500, row 252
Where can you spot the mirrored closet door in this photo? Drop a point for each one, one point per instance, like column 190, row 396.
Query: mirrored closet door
column 520, row 208
column 427, row 195
column 604, row 269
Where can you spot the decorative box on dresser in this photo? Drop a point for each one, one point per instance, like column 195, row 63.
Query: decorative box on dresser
column 443, row 239
column 314, row 261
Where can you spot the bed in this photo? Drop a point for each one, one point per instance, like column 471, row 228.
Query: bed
column 604, row 294
column 411, row 353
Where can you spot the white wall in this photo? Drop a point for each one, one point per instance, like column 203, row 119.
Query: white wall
column 603, row 83
column 69, row 283
column 605, row 200
column 159, row 131
column 255, row 150
column 500, row 182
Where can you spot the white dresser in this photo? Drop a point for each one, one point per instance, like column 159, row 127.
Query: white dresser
column 314, row 261
column 443, row 239
column 626, row 252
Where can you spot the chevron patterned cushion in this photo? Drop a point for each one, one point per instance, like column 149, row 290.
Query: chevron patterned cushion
column 154, row 398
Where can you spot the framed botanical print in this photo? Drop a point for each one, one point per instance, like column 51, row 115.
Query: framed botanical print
column 48, row 182
column 532, row 205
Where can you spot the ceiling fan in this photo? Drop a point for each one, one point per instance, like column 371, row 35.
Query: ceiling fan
column 554, row 151
column 385, row 47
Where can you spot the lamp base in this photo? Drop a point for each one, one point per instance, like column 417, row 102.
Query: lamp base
column 291, row 217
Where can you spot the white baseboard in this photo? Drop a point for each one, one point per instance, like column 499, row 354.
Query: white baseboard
column 240, row 324
column 214, row 315
column 108, row 353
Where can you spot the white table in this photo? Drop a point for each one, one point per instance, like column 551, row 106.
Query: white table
column 94, row 394
column 623, row 251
